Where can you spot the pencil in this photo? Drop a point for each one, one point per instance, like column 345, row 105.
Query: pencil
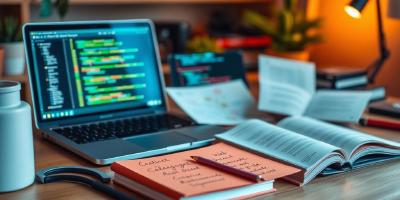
column 228, row 169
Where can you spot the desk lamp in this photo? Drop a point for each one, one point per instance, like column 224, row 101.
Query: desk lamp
column 354, row 9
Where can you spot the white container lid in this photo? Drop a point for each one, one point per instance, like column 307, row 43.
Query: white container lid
column 9, row 86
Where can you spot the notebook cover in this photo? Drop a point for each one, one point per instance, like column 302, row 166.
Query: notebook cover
column 177, row 175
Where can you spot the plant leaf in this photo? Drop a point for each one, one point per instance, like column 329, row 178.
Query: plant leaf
column 259, row 21
column 11, row 29
column 285, row 22
column 45, row 8
column 201, row 44
column 290, row 5
column 2, row 34
column 307, row 25
column 62, row 7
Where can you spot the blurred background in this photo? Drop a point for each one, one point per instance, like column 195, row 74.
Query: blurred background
column 223, row 25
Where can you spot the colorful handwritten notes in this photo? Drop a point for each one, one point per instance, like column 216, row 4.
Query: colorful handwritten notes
column 178, row 172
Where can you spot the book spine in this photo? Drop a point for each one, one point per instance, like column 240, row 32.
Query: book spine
column 385, row 112
column 122, row 170
column 351, row 82
column 324, row 84
column 244, row 42
column 333, row 77
column 343, row 83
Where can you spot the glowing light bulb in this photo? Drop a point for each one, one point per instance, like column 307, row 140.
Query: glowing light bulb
column 352, row 12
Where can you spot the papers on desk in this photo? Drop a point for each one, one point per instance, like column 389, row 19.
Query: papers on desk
column 227, row 103
column 288, row 87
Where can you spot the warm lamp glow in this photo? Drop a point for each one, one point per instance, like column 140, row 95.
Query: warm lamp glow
column 352, row 12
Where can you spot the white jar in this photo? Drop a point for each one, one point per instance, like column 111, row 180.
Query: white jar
column 17, row 165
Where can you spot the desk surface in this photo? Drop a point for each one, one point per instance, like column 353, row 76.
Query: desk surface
column 376, row 182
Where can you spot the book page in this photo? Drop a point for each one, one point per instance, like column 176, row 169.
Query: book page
column 338, row 106
column 279, row 143
column 286, row 86
column 227, row 103
column 344, row 138
column 181, row 174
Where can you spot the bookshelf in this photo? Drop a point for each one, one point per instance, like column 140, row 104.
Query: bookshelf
column 11, row 2
column 116, row 2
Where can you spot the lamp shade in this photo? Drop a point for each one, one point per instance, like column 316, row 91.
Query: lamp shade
column 394, row 9
column 355, row 8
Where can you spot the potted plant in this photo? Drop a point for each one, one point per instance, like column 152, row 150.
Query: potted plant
column 290, row 31
column 46, row 7
column 11, row 43
column 203, row 43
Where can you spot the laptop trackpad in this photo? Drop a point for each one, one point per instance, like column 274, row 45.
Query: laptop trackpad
column 156, row 141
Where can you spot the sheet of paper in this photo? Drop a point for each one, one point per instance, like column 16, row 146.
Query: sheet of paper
column 180, row 173
column 338, row 106
column 226, row 103
column 286, row 86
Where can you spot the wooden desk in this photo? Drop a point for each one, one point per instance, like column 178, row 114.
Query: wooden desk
column 380, row 181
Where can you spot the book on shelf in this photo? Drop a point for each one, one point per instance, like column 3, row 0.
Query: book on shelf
column 354, row 79
column 250, row 46
column 237, row 42
column 177, row 176
column 314, row 146
column 341, row 78
column 337, row 73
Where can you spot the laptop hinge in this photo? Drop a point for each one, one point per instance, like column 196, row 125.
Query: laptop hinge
column 160, row 112
column 110, row 119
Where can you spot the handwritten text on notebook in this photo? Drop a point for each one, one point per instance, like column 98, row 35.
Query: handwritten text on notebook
column 179, row 172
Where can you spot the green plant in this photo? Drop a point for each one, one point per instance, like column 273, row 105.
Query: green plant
column 200, row 44
column 46, row 7
column 10, row 30
column 290, row 31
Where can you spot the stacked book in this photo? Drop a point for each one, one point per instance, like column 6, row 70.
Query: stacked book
column 250, row 46
column 348, row 79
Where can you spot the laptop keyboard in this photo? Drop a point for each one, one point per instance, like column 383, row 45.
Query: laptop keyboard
column 121, row 128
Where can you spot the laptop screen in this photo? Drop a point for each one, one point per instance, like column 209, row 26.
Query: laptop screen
column 89, row 69
column 206, row 68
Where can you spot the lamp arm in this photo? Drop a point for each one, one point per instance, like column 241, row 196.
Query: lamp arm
column 376, row 66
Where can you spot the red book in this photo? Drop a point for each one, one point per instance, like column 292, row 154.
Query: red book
column 244, row 42
column 381, row 123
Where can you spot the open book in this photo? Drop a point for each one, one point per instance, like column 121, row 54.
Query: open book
column 311, row 145
column 288, row 87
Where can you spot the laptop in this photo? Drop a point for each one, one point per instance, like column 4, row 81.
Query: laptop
column 98, row 90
